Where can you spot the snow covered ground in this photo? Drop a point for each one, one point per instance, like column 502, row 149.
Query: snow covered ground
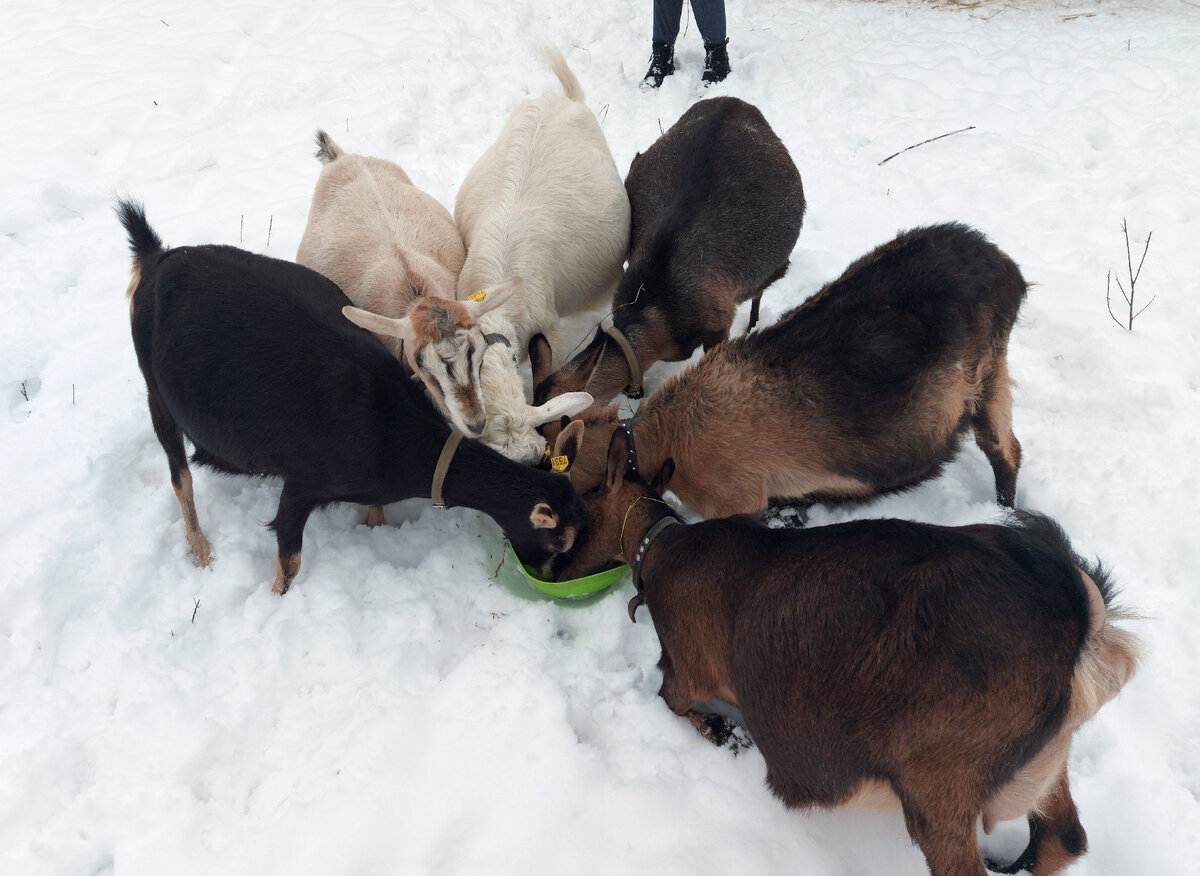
column 406, row 708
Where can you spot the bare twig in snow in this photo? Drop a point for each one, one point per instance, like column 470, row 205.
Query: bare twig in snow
column 1133, row 278
column 923, row 142
column 194, row 610
column 270, row 225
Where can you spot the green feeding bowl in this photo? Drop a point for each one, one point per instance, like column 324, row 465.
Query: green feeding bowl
column 576, row 588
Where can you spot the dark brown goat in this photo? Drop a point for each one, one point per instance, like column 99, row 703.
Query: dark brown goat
column 866, row 388
column 881, row 661
column 717, row 206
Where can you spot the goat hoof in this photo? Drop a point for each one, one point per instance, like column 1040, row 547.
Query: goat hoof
column 785, row 514
column 739, row 741
column 715, row 729
column 201, row 552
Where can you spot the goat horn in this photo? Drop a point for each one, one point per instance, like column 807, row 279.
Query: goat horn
column 634, row 605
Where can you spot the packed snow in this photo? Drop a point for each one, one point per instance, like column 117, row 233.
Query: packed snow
column 411, row 706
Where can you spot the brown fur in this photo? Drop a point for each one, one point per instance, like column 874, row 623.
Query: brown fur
column 947, row 666
column 866, row 388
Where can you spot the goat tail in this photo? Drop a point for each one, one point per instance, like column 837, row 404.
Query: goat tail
column 558, row 65
column 144, row 242
column 1110, row 653
column 327, row 150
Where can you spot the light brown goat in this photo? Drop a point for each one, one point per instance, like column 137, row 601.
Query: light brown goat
column 866, row 388
column 396, row 253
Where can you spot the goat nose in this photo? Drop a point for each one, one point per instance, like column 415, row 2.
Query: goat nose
column 475, row 426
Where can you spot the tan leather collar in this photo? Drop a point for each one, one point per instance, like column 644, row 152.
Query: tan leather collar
column 443, row 466
column 634, row 389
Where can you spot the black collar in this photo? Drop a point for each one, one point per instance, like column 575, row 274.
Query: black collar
column 644, row 545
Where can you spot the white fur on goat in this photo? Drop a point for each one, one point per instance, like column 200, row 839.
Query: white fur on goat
column 544, row 203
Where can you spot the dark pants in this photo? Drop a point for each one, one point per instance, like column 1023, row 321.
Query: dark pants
column 710, row 19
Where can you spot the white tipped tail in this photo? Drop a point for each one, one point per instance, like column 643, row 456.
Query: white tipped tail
column 1109, row 659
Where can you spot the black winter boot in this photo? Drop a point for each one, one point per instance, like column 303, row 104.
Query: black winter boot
column 716, row 62
column 662, row 65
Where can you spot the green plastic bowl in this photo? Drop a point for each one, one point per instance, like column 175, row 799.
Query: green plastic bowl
column 576, row 588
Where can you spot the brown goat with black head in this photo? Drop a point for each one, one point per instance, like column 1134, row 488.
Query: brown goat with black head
column 717, row 206
column 881, row 662
column 866, row 388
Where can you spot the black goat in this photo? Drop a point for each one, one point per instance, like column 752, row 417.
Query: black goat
column 252, row 359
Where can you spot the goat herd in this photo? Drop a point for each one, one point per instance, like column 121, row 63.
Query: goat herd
column 940, row 669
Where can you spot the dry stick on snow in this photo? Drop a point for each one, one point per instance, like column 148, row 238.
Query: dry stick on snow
column 923, row 142
column 1133, row 277
column 270, row 225
column 196, row 609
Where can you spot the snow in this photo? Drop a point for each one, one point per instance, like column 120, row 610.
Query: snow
column 406, row 708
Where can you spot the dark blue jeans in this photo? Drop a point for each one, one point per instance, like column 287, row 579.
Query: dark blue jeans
column 710, row 19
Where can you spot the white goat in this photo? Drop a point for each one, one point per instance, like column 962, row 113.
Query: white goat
column 394, row 251
column 544, row 204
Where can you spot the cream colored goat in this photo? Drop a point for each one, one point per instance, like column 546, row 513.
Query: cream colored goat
column 545, row 204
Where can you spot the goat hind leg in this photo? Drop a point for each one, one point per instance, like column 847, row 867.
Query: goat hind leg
column 992, row 424
column 1056, row 838
column 170, row 436
column 942, row 823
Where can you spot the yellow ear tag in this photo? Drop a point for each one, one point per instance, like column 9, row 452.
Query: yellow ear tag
column 559, row 463
column 478, row 296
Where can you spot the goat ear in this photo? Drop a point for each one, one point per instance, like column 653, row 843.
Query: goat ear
column 543, row 517
column 540, row 359
column 566, row 405
column 492, row 297
column 569, row 441
column 663, row 477
column 618, row 457
column 380, row 325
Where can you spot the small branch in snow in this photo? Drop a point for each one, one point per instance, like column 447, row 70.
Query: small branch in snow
column 270, row 225
column 194, row 610
column 24, row 392
column 923, row 142
column 503, row 557
column 241, row 229
column 1133, row 278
